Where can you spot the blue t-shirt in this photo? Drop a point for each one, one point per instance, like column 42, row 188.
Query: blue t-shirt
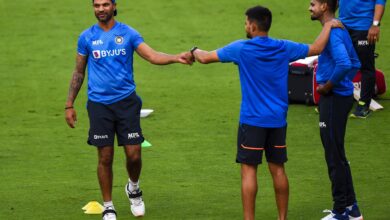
column 338, row 62
column 110, row 61
column 263, row 67
column 358, row 14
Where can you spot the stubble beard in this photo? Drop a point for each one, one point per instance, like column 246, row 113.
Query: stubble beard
column 106, row 18
column 313, row 17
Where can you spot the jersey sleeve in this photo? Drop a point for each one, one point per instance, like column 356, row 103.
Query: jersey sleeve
column 340, row 56
column 82, row 47
column 231, row 52
column 380, row 2
column 295, row 50
column 136, row 38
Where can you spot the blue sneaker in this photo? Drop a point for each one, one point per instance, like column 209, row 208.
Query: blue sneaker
column 333, row 215
column 362, row 111
column 354, row 212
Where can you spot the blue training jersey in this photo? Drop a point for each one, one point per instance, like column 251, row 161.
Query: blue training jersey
column 263, row 67
column 338, row 62
column 358, row 14
column 110, row 61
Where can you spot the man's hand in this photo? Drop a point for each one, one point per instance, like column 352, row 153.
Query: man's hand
column 334, row 23
column 70, row 117
column 324, row 89
column 373, row 34
column 185, row 58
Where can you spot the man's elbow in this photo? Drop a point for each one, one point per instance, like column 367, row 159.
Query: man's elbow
column 345, row 66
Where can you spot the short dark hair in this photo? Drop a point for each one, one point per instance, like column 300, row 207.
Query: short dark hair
column 261, row 16
column 332, row 4
column 113, row 1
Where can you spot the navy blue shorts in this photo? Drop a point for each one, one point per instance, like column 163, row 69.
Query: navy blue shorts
column 252, row 141
column 121, row 118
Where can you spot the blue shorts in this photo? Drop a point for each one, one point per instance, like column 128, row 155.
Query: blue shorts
column 121, row 118
column 252, row 141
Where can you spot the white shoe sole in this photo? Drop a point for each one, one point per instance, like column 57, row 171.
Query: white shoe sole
column 357, row 218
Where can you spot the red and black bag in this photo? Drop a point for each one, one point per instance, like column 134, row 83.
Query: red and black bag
column 380, row 84
column 302, row 82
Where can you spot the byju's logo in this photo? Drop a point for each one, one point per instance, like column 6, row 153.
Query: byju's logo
column 133, row 135
column 97, row 54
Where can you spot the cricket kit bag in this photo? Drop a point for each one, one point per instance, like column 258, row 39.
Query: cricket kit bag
column 302, row 81
column 380, row 83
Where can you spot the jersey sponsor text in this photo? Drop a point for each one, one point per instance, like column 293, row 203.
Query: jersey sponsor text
column 97, row 54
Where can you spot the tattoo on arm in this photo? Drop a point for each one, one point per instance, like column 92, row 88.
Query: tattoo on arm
column 77, row 78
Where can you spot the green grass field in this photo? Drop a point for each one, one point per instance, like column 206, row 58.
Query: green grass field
column 49, row 172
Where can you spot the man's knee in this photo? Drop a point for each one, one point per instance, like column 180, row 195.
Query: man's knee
column 277, row 169
column 133, row 153
column 106, row 160
column 106, row 156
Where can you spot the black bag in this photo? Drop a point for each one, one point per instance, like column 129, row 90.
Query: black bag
column 301, row 84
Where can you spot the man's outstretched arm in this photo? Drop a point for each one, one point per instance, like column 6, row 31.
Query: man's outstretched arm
column 159, row 58
column 203, row 56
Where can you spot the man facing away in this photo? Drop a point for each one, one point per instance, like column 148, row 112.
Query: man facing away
column 362, row 20
column 113, row 105
column 337, row 65
column 263, row 68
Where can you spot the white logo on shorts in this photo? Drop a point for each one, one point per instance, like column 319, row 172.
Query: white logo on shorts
column 322, row 125
column 133, row 135
column 97, row 137
column 363, row 43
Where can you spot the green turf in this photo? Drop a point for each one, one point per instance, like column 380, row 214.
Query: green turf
column 48, row 171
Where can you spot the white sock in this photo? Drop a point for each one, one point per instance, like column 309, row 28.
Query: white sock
column 133, row 185
column 108, row 204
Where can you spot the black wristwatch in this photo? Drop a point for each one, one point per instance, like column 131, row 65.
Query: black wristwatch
column 193, row 50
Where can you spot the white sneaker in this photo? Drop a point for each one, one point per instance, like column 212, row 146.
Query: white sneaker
column 109, row 214
column 335, row 216
column 137, row 205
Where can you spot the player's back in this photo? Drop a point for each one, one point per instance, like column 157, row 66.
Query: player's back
column 263, row 64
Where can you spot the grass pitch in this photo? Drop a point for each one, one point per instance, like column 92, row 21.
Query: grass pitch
column 48, row 171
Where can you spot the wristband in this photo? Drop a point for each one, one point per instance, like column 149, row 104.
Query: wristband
column 376, row 23
column 193, row 50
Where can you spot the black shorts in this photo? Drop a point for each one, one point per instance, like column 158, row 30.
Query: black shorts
column 121, row 118
column 252, row 141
